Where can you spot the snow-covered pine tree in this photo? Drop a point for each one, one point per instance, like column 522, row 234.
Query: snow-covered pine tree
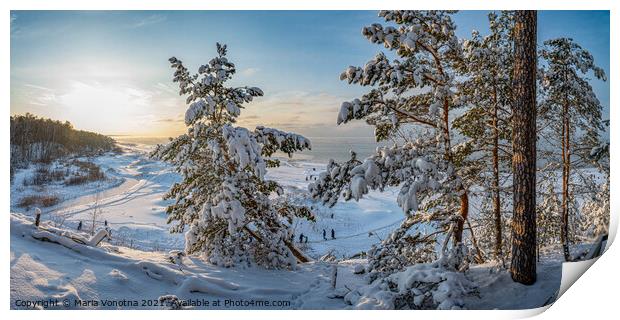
column 409, row 103
column 223, row 202
column 569, row 107
column 487, row 70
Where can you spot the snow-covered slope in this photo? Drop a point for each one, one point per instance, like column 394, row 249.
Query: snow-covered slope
column 114, row 277
column 43, row 270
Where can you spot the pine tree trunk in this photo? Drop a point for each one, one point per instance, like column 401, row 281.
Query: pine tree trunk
column 565, row 179
column 497, row 213
column 523, row 266
column 458, row 231
column 464, row 198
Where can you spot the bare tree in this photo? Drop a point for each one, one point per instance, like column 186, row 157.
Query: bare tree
column 58, row 218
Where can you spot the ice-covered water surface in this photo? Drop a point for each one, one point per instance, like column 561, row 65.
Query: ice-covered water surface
column 323, row 148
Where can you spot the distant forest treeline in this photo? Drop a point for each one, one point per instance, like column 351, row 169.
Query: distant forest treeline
column 39, row 139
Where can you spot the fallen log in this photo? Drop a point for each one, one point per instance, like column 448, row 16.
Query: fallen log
column 55, row 235
column 46, row 236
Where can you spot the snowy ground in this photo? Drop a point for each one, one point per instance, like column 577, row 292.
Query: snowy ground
column 120, row 277
column 131, row 204
column 135, row 266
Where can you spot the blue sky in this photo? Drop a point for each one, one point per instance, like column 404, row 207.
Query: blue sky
column 107, row 71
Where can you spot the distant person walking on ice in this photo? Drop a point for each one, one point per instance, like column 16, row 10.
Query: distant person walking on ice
column 324, row 235
column 301, row 238
column 333, row 234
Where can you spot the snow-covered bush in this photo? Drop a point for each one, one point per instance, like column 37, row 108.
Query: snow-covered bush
column 223, row 203
column 594, row 210
column 441, row 284
column 596, row 213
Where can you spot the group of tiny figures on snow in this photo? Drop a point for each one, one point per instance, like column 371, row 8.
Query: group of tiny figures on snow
column 304, row 239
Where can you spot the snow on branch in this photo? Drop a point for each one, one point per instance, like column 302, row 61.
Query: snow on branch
column 273, row 140
column 244, row 149
column 389, row 166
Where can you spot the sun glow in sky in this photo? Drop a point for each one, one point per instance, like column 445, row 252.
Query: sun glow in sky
column 107, row 71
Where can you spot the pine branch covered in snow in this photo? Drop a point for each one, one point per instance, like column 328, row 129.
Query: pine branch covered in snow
column 407, row 166
column 409, row 103
column 224, row 203
column 427, row 49
column 273, row 140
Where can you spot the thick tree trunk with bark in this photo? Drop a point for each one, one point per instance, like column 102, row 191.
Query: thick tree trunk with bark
column 523, row 266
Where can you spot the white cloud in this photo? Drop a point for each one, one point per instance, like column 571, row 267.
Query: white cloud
column 308, row 113
column 39, row 95
column 248, row 72
column 149, row 20
column 166, row 87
